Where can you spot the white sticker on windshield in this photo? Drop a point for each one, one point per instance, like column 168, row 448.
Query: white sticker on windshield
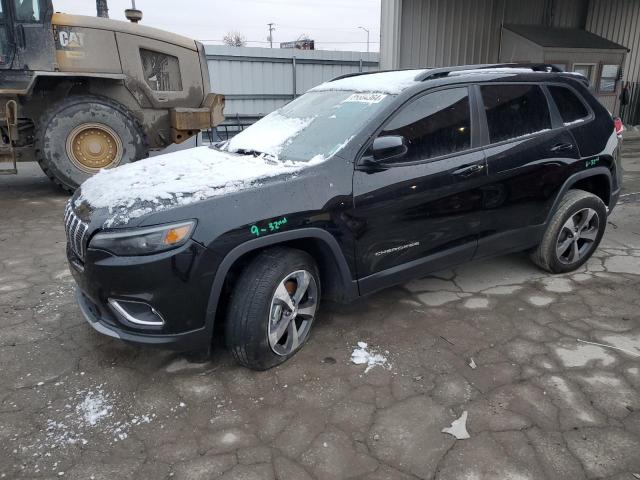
column 366, row 98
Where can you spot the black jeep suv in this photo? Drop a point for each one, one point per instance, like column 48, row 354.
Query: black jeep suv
column 363, row 182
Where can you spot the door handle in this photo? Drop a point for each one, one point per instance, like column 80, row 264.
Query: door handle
column 469, row 170
column 562, row 147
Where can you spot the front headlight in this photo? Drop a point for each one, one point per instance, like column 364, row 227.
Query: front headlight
column 144, row 241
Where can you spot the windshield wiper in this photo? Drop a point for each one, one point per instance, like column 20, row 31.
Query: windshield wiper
column 257, row 153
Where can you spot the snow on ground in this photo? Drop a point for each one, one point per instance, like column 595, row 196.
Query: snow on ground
column 362, row 356
column 86, row 413
column 177, row 178
column 384, row 82
column 458, row 428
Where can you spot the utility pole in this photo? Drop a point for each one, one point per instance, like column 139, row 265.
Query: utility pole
column 102, row 8
column 366, row 30
column 270, row 37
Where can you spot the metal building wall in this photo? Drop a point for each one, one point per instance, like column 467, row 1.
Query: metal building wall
column 570, row 13
column 390, row 17
column 453, row 32
column 437, row 33
column 256, row 81
column 619, row 21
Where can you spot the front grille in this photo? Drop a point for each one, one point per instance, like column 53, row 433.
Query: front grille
column 76, row 231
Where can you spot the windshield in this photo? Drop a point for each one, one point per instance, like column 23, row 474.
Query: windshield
column 313, row 126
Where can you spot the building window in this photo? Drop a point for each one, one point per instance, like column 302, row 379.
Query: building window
column 586, row 69
column 161, row 71
column 514, row 111
column 569, row 105
column 608, row 78
column 434, row 125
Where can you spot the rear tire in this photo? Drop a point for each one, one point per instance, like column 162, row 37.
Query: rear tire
column 573, row 234
column 81, row 135
column 269, row 315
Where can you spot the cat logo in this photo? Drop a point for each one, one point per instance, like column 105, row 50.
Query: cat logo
column 68, row 39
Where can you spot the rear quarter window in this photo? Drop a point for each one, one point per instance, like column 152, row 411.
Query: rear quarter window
column 514, row 111
column 571, row 108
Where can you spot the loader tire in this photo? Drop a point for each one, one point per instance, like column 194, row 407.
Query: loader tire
column 80, row 135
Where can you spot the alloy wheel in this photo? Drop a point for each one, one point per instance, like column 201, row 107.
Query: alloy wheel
column 577, row 236
column 293, row 309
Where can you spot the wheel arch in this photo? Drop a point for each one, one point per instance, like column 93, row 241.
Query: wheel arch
column 335, row 276
column 595, row 180
column 54, row 88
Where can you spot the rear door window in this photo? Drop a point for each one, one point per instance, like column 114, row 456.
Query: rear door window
column 514, row 111
column 569, row 105
column 433, row 125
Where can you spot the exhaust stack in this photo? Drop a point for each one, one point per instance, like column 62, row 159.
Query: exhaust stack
column 102, row 9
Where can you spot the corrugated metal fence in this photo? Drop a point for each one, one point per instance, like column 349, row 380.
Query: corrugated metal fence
column 256, row 81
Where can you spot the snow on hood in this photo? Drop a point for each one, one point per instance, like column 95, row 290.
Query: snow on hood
column 269, row 134
column 392, row 83
column 176, row 179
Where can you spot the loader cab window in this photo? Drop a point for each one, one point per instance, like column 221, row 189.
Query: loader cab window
column 161, row 71
column 27, row 11
column 4, row 37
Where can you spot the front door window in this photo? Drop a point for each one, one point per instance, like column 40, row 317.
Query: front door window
column 27, row 11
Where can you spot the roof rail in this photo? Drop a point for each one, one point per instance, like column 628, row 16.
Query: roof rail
column 444, row 71
column 347, row 75
column 356, row 74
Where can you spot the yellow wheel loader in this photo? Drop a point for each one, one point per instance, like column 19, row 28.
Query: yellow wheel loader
column 79, row 94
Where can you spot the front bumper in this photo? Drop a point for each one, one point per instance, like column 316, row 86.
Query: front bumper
column 95, row 315
column 176, row 285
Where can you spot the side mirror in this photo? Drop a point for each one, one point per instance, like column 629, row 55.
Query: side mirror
column 389, row 148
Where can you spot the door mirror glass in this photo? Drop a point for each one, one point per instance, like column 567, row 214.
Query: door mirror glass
column 387, row 148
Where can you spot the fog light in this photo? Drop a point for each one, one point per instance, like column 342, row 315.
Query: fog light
column 138, row 313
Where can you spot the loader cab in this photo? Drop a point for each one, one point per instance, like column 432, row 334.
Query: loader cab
column 26, row 38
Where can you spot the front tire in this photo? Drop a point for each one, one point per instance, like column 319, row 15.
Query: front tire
column 81, row 135
column 272, row 308
column 573, row 234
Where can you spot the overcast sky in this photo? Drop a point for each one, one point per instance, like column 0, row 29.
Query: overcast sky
column 332, row 23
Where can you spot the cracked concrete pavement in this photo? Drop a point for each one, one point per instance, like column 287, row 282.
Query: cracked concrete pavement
column 545, row 400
